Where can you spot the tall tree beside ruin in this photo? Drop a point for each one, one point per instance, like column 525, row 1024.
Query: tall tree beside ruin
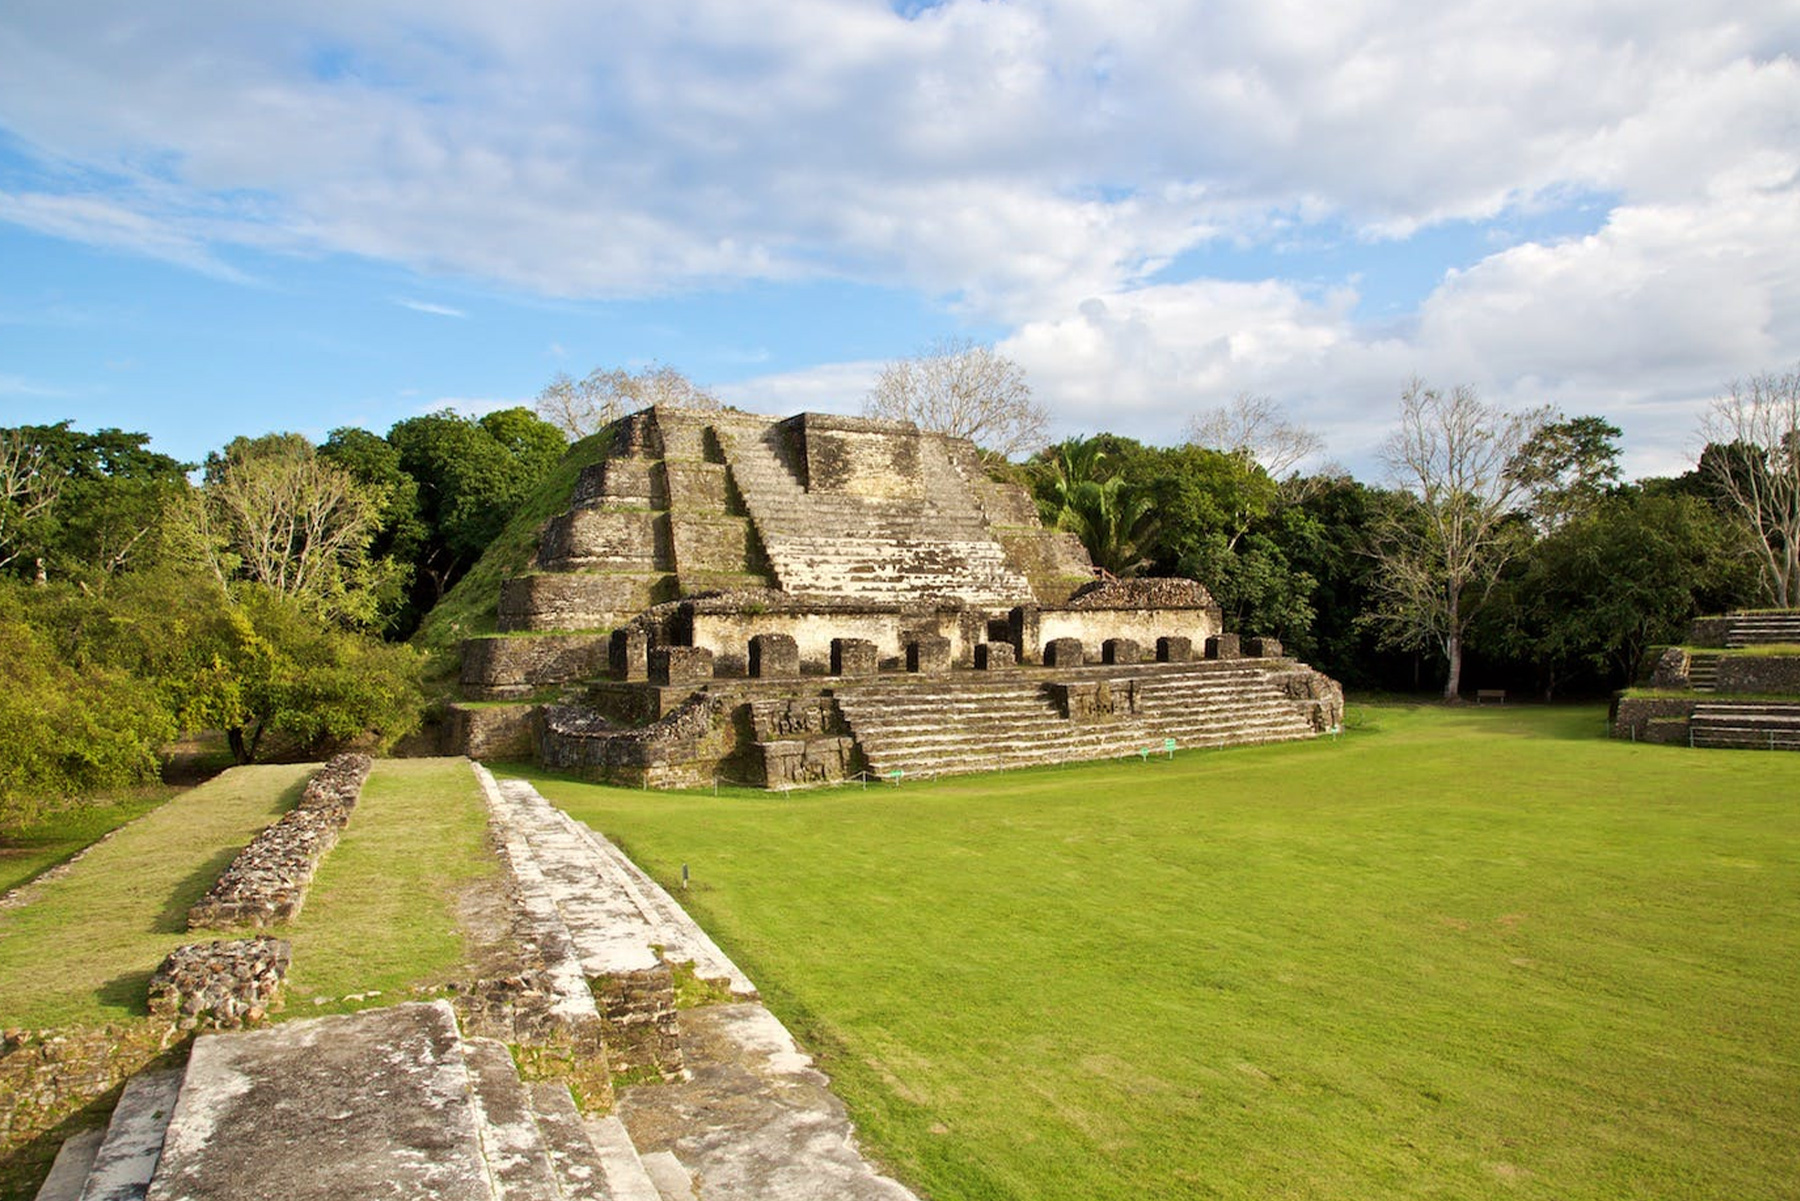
column 966, row 390
column 1441, row 560
column 29, row 487
column 1753, row 462
column 1255, row 428
column 579, row 407
column 273, row 512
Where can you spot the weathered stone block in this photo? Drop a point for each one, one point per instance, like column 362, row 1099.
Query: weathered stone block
column 774, row 655
column 1262, row 648
column 220, row 985
column 1025, row 621
column 1121, row 650
column 680, row 665
column 641, row 1027
column 1173, row 649
column 629, row 654
column 1096, row 700
column 854, row 657
column 492, row 731
column 1759, row 673
column 994, row 656
column 1223, row 646
column 1671, row 669
column 928, row 654
column 1063, row 652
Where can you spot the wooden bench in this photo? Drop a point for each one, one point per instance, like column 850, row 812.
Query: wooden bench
column 1484, row 695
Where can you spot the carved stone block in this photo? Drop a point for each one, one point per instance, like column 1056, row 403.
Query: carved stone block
column 1262, row 648
column 1121, row 650
column 1025, row 622
column 629, row 654
column 928, row 654
column 1223, row 646
column 1174, row 649
column 680, row 665
column 1063, row 652
column 994, row 656
column 774, row 655
column 854, row 657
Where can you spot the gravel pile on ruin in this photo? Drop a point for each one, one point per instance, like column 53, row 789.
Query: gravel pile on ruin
column 1158, row 593
column 267, row 882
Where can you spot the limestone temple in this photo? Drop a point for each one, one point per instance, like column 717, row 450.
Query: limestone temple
column 789, row 602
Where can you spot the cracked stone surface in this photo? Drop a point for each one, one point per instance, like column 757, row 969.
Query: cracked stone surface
column 755, row 1119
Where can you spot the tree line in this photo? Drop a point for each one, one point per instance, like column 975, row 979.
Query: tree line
column 271, row 591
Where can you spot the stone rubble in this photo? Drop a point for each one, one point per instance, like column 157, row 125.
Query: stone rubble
column 266, row 884
column 220, row 985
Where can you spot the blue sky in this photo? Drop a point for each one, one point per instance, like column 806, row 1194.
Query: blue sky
column 220, row 220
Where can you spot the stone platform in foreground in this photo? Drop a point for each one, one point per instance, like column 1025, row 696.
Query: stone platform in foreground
column 402, row 1103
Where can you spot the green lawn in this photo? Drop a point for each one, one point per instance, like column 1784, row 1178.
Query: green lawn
column 380, row 913
column 1465, row 953
column 46, row 842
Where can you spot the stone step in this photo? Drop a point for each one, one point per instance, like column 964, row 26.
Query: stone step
column 626, row 1178
column 126, row 1160
column 768, row 1127
column 582, row 1172
column 518, row 1162
column 74, row 1160
column 318, row 1110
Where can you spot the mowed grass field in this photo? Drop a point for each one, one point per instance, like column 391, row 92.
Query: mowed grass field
column 380, row 915
column 1457, row 954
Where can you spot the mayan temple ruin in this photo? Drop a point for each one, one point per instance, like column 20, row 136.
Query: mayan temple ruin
column 789, row 602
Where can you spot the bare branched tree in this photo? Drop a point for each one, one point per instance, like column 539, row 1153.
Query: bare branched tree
column 1256, row 428
column 580, row 407
column 964, row 389
column 1753, row 460
column 28, row 490
column 1441, row 559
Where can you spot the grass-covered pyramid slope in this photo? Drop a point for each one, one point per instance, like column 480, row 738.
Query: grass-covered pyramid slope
column 471, row 607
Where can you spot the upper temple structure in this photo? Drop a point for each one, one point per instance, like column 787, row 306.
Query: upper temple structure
column 784, row 602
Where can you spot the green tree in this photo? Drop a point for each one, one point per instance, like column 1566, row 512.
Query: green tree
column 1566, row 467
column 274, row 512
column 1627, row 574
column 1752, row 461
column 471, row 475
column 69, row 727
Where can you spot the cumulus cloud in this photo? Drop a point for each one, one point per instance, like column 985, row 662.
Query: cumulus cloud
column 1058, row 168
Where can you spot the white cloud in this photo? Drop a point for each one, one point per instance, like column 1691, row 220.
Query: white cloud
column 829, row 388
column 435, row 310
column 1037, row 163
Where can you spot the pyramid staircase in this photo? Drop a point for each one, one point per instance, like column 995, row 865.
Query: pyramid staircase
column 896, row 550
column 1703, row 672
column 398, row 1102
column 939, row 725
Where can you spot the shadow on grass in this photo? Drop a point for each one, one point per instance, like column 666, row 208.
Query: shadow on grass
column 130, row 992
column 193, row 886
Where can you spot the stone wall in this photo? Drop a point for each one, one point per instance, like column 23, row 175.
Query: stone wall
column 579, row 600
column 1759, row 673
column 1144, row 626
column 220, row 985
column 726, row 630
column 504, row 667
column 859, row 456
column 1653, row 719
column 266, row 884
column 683, row 750
column 491, row 731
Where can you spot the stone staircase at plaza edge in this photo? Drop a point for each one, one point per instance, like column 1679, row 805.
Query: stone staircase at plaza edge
column 398, row 1102
column 938, row 725
column 1748, row 725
